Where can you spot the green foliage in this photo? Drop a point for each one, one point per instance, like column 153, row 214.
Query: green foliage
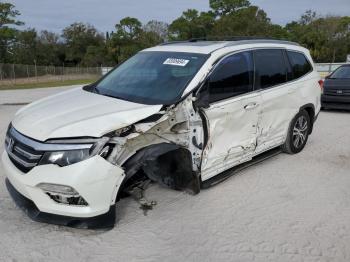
column 51, row 50
column 250, row 21
column 192, row 24
column 124, row 42
column 26, row 41
column 225, row 7
column 158, row 28
column 328, row 38
column 78, row 37
column 130, row 37
column 8, row 15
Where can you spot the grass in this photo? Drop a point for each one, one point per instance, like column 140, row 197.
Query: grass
column 47, row 84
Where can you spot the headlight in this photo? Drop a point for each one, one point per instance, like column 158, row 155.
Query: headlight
column 65, row 154
column 65, row 158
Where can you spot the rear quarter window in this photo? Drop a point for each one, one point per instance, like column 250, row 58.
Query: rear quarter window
column 299, row 63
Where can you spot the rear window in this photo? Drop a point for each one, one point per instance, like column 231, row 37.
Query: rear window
column 342, row 73
column 270, row 68
column 300, row 64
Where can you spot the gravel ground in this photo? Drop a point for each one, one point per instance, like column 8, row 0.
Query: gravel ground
column 288, row 208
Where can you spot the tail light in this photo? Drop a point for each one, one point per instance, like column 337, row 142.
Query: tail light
column 321, row 82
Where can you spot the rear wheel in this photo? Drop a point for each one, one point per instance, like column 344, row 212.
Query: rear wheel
column 298, row 133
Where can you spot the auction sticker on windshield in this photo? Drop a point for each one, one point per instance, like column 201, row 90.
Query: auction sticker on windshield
column 176, row 62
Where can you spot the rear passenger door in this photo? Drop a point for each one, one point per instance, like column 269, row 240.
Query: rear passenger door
column 232, row 115
column 272, row 71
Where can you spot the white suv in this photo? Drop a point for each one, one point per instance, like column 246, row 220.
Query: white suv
column 182, row 114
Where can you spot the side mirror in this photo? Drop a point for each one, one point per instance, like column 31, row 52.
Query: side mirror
column 202, row 97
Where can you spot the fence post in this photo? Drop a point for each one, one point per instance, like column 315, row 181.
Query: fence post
column 14, row 74
column 62, row 72
column 36, row 71
column 28, row 73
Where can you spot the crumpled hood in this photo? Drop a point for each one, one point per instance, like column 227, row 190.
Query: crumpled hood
column 78, row 113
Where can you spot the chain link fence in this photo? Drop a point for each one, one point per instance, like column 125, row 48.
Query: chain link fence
column 14, row 74
column 326, row 68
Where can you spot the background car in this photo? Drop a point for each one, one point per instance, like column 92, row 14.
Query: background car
column 336, row 89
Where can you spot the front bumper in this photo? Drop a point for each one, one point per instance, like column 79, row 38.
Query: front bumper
column 335, row 102
column 95, row 179
column 102, row 221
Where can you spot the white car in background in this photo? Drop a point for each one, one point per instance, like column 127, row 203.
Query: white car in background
column 182, row 114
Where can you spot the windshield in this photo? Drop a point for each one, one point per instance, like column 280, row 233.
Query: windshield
column 342, row 73
column 152, row 77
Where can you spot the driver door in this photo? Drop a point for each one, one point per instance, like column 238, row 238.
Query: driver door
column 232, row 115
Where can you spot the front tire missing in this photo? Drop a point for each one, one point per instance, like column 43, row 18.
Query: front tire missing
column 298, row 133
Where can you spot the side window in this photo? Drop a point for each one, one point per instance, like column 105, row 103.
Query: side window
column 270, row 68
column 232, row 77
column 300, row 64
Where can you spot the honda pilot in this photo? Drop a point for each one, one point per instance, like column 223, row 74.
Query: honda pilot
column 182, row 114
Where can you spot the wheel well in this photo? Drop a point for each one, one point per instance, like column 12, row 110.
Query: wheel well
column 167, row 164
column 311, row 112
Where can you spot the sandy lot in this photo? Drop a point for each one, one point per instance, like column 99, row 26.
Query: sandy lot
column 288, row 208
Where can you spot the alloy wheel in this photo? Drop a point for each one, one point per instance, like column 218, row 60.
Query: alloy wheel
column 300, row 132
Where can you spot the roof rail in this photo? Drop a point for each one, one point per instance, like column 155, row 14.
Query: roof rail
column 192, row 40
column 233, row 39
column 261, row 41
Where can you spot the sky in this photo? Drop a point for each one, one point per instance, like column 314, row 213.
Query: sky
column 54, row 15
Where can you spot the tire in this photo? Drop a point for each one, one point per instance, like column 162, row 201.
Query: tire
column 298, row 133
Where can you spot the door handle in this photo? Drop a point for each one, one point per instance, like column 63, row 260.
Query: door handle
column 250, row 106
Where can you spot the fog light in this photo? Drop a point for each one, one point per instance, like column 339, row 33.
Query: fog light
column 63, row 194
column 60, row 189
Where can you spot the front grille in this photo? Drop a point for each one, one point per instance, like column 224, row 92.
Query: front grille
column 337, row 92
column 21, row 154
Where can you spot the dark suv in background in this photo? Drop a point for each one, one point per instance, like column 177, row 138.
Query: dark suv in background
column 336, row 89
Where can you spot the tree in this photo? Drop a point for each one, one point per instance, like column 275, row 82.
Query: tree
column 308, row 17
column 8, row 15
column 128, row 28
column 125, row 41
column 52, row 51
column 192, row 24
column 249, row 21
column 78, row 37
column 158, row 28
column 25, row 48
column 95, row 56
column 326, row 37
column 225, row 7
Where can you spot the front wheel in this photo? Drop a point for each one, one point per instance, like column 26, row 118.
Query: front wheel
column 298, row 133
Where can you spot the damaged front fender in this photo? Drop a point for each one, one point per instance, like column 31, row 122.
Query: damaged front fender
column 167, row 164
column 166, row 148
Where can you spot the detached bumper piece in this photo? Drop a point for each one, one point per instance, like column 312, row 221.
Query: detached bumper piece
column 104, row 221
